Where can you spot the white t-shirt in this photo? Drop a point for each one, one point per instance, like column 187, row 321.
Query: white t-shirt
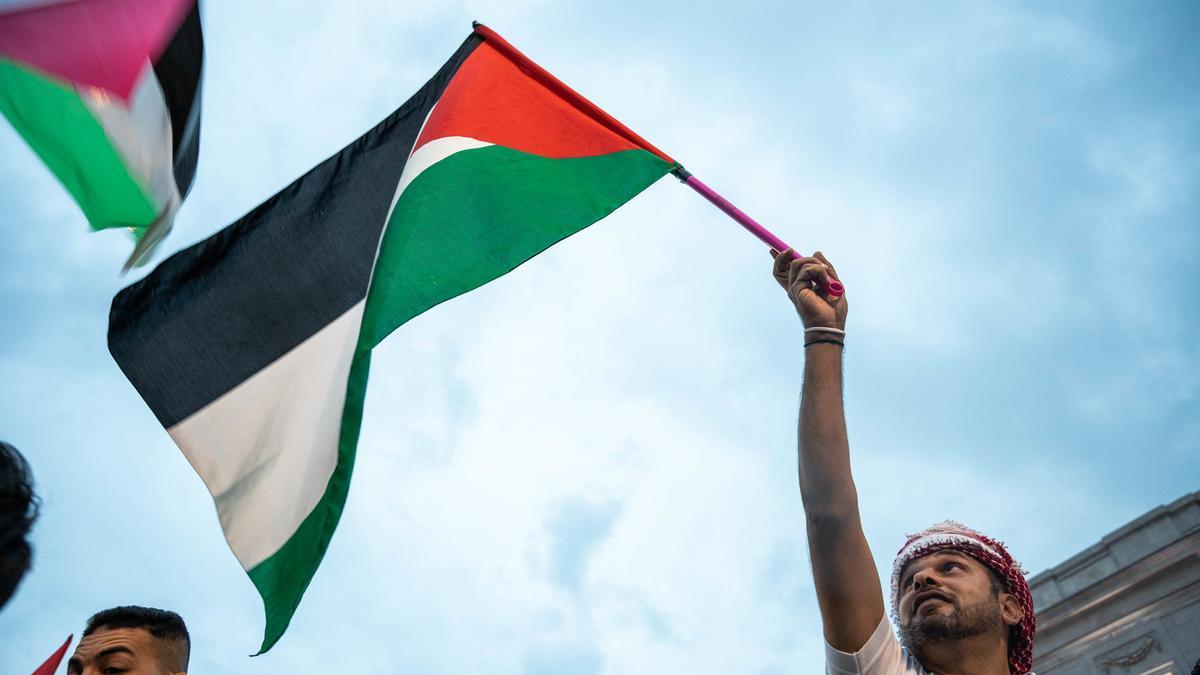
column 882, row 655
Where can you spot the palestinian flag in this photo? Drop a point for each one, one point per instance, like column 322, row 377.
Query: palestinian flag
column 252, row 347
column 107, row 93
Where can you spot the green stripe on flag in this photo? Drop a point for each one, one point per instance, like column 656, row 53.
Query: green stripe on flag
column 479, row 213
column 282, row 579
column 70, row 140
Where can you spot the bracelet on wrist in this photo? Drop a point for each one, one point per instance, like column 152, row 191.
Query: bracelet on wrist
column 824, row 342
column 824, row 329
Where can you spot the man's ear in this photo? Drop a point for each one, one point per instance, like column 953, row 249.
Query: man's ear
column 1010, row 609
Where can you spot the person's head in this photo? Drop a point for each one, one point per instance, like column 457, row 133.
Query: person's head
column 951, row 583
column 132, row 640
column 18, row 510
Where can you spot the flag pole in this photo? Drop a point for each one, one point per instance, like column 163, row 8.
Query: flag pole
column 764, row 235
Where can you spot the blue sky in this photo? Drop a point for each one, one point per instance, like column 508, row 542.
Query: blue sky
column 588, row 466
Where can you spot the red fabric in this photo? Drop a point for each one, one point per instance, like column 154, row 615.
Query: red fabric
column 99, row 43
column 491, row 100
column 56, row 658
column 500, row 96
column 1000, row 561
column 563, row 91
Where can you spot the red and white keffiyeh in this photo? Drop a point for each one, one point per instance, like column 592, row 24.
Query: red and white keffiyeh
column 949, row 535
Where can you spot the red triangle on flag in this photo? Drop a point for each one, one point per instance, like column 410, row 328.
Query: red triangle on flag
column 100, row 43
column 56, row 658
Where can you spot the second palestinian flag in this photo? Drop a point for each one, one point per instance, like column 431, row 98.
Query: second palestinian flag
column 252, row 347
column 107, row 93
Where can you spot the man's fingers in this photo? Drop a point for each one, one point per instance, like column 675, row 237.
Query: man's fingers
column 808, row 273
column 782, row 259
column 797, row 263
column 780, row 267
column 816, row 273
column 821, row 256
column 794, row 269
column 797, row 268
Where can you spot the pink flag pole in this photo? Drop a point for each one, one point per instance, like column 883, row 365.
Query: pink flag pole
column 764, row 235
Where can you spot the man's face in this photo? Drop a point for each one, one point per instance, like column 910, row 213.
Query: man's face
column 948, row 596
column 123, row 651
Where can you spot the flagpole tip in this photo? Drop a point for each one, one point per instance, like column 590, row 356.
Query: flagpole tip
column 681, row 173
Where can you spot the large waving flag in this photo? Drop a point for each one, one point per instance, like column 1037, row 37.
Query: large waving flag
column 107, row 93
column 252, row 347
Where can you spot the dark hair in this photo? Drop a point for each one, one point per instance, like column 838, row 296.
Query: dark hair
column 18, row 510
column 163, row 624
column 996, row 581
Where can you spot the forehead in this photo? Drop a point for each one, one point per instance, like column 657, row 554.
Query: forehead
column 136, row 640
column 934, row 558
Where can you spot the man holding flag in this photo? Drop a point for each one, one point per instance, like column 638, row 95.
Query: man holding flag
column 959, row 600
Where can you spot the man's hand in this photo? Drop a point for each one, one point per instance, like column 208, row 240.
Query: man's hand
column 806, row 281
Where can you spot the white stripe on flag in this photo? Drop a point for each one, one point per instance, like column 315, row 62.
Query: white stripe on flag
column 141, row 135
column 267, row 448
column 426, row 156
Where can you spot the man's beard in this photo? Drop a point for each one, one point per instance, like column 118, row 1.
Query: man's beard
column 969, row 621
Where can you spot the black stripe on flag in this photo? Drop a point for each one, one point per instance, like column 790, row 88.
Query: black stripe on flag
column 178, row 71
column 217, row 312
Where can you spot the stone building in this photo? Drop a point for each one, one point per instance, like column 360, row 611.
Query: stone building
column 1129, row 605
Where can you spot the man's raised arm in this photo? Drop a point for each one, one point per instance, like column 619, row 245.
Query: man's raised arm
column 848, row 588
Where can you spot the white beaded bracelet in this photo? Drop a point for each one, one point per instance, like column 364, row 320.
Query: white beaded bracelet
column 823, row 329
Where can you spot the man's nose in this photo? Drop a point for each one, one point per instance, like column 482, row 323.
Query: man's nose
column 924, row 578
